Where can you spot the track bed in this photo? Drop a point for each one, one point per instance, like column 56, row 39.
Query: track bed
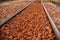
column 31, row 24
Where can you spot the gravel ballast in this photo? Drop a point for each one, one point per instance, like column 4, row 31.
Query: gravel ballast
column 30, row 24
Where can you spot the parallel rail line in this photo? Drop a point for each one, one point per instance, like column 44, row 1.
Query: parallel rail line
column 17, row 12
column 56, row 31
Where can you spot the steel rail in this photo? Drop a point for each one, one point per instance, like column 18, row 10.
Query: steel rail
column 11, row 16
column 55, row 29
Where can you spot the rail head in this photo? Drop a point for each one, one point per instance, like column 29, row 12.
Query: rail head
column 55, row 29
column 11, row 16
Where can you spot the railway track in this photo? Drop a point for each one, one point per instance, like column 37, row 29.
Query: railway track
column 31, row 24
column 57, row 32
column 7, row 15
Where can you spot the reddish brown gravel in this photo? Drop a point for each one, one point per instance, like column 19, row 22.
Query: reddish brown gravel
column 30, row 24
column 9, row 10
column 55, row 14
